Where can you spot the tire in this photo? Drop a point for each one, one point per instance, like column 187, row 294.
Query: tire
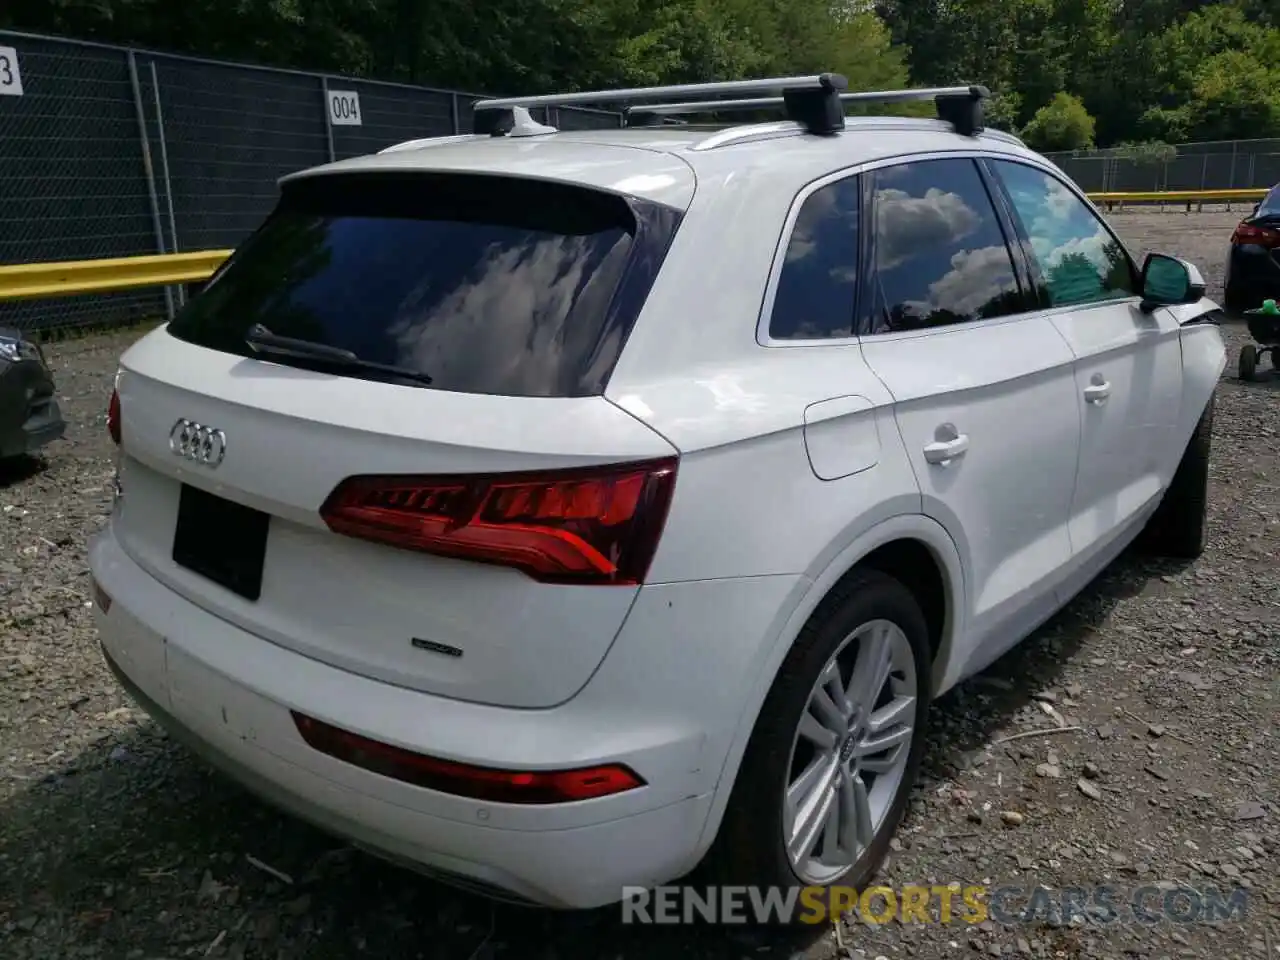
column 1178, row 527
column 859, row 616
column 1248, row 361
column 1234, row 303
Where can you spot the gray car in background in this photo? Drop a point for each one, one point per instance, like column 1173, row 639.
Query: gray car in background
column 29, row 414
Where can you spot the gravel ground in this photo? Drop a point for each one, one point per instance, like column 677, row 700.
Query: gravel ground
column 114, row 842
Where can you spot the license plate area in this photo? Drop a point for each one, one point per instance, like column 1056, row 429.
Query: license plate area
column 222, row 541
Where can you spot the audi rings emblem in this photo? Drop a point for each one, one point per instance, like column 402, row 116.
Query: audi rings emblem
column 198, row 443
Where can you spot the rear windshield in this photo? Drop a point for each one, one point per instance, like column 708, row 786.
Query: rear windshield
column 1270, row 206
column 485, row 284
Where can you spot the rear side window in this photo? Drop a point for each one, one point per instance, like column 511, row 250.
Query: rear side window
column 938, row 249
column 485, row 284
column 818, row 282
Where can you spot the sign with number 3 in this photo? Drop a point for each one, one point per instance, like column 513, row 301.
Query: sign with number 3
column 10, row 78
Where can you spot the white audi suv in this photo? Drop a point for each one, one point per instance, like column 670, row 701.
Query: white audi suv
column 561, row 511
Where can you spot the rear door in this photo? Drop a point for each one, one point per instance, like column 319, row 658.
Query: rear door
column 490, row 549
column 985, row 396
column 1128, row 367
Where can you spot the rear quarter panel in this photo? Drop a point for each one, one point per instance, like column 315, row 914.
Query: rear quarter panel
column 748, row 501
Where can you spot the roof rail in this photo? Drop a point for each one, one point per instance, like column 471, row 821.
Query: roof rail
column 810, row 100
column 959, row 106
column 748, row 131
column 1005, row 136
column 426, row 142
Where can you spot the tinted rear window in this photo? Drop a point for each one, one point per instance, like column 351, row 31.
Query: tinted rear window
column 487, row 284
column 1270, row 204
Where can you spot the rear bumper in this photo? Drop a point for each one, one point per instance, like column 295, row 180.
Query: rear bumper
column 553, row 869
column 229, row 694
column 1253, row 275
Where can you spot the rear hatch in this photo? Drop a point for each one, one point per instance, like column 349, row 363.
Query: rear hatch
column 1265, row 220
column 445, row 340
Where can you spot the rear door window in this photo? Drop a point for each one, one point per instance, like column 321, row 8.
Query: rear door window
column 939, row 252
column 486, row 284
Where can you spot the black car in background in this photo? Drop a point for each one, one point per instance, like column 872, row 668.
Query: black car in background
column 1253, row 266
column 29, row 413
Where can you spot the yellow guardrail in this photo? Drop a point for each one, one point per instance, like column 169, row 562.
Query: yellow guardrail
column 1179, row 196
column 31, row 280
column 34, row 280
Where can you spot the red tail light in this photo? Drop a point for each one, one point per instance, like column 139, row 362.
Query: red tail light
column 1252, row 233
column 461, row 779
column 597, row 525
column 113, row 417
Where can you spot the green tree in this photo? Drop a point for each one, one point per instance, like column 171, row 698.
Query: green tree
column 489, row 46
column 1162, row 69
column 1147, row 153
column 1234, row 96
column 1127, row 78
column 1061, row 124
column 974, row 41
column 1024, row 50
column 1181, row 49
column 1216, row 76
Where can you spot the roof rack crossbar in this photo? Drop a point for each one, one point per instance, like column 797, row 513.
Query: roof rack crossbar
column 703, row 106
column 814, row 101
column 820, row 81
column 754, row 103
column 959, row 106
column 811, row 100
column 917, row 93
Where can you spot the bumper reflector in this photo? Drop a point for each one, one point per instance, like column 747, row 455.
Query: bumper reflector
column 461, row 779
column 100, row 597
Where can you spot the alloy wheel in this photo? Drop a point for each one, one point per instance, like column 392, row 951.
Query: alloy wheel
column 850, row 751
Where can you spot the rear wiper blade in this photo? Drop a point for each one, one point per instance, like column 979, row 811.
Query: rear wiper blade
column 262, row 340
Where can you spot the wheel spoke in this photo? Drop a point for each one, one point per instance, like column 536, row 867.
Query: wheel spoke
column 827, row 712
column 815, row 776
column 850, row 846
column 899, row 710
column 864, row 830
column 879, row 743
column 811, row 817
column 831, row 828
column 870, row 670
column 880, row 765
column 834, row 686
column 817, row 734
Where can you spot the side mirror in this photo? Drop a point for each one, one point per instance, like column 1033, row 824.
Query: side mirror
column 1167, row 281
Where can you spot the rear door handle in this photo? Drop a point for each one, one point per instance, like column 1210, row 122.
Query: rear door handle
column 1097, row 392
column 942, row 452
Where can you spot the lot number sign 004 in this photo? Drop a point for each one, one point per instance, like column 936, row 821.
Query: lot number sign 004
column 10, row 78
column 344, row 108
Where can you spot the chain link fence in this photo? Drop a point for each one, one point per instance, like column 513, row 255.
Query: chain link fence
column 1215, row 165
column 112, row 152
